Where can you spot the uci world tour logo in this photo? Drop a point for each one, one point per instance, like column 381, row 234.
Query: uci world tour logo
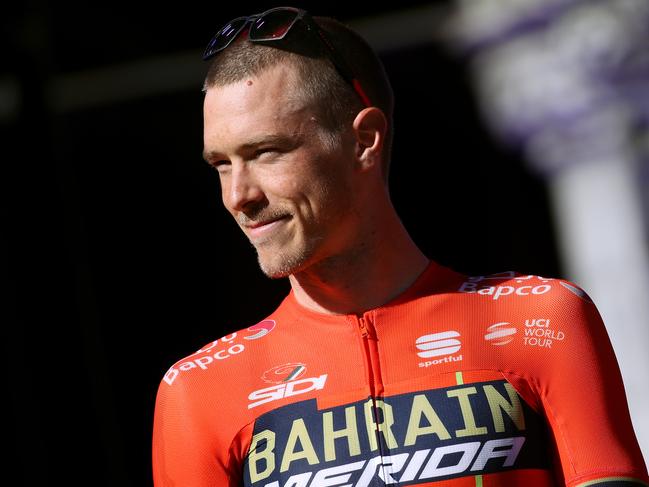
column 500, row 333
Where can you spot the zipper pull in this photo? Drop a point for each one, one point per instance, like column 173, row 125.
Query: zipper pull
column 363, row 327
column 367, row 331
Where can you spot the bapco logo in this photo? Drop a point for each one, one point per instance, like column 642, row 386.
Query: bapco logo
column 500, row 333
column 221, row 349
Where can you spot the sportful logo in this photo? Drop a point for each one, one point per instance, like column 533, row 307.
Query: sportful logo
column 438, row 345
column 500, row 333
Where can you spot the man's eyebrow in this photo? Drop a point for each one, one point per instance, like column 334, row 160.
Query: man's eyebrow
column 254, row 143
column 210, row 155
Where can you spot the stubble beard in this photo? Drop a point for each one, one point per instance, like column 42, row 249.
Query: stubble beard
column 275, row 259
column 279, row 258
column 282, row 262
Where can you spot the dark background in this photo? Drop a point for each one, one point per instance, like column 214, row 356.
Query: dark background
column 118, row 258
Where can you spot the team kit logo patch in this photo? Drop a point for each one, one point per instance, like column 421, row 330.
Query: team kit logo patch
column 407, row 439
column 289, row 383
column 439, row 348
column 500, row 333
column 536, row 333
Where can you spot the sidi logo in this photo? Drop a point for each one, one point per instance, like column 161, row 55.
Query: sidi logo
column 500, row 333
column 437, row 345
column 287, row 389
column 284, row 373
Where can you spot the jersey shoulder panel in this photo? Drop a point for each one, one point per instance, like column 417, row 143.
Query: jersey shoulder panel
column 503, row 285
column 216, row 356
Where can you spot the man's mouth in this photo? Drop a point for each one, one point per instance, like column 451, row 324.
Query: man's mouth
column 261, row 229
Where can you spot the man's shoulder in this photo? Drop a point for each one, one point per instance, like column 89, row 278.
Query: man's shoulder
column 539, row 306
column 222, row 357
column 218, row 357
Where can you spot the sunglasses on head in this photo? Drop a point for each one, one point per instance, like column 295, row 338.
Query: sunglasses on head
column 275, row 24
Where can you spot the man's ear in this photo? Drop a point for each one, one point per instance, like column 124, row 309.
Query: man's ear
column 370, row 127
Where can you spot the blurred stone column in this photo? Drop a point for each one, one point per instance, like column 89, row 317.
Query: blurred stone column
column 566, row 82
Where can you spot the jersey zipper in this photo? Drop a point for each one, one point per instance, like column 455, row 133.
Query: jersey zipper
column 371, row 355
column 374, row 378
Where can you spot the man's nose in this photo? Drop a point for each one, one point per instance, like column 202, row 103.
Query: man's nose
column 243, row 189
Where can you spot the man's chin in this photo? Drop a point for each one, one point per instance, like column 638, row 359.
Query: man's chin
column 274, row 272
column 277, row 266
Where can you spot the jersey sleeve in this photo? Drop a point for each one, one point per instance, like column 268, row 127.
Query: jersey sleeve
column 582, row 393
column 184, row 449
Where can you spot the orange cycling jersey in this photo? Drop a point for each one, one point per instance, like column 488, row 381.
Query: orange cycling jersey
column 460, row 381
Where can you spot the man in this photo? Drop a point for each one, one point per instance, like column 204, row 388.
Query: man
column 380, row 367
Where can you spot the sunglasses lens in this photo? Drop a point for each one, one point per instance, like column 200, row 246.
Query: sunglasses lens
column 273, row 25
column 225, row 36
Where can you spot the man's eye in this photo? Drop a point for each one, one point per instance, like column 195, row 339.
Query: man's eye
column 221, row 165
column 266, row 151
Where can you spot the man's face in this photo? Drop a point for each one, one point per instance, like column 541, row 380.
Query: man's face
column 288, row 187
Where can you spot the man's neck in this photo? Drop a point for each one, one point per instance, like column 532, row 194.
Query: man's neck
column 368, row 276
